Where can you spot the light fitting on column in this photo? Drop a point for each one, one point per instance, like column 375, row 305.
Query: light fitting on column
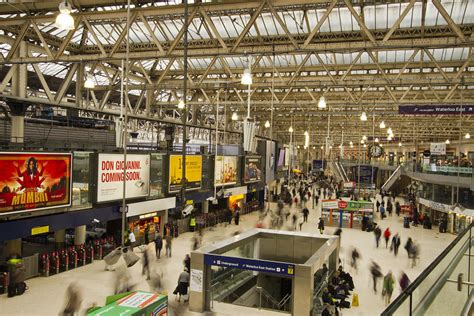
column 89, row 83
column 181, row 104
column 64, row 20
column 247, row 77
column 290, row 129
column 235, row 117
column 363, row 117
column 267, row 124
column 322, row 103
column 382, row 124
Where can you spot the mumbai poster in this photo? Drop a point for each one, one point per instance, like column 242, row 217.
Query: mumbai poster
column 193, row 172
column 34, row 181
column 225, row 170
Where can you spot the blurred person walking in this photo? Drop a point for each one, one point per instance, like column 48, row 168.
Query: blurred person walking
column 387, row 290
column 355, row 255
column 395, row 244
column 183, row 284
column 321, row 225
column 404, row 281
column 158, row 245
column 146, row 263
column 376, row 273
column 73, row 300
column 386, row 235
column 168, row 240
column 378, row 234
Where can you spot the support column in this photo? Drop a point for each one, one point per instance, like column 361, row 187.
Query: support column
column 13, row 247
column 19, row 86
column 60, row 238
column 80, row 235
column 303, row 284
column 205, row 207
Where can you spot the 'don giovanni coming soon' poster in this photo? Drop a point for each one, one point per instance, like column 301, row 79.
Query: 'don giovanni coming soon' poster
column 34, row 181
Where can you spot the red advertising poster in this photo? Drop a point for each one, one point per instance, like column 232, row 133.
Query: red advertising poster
column 32, row 181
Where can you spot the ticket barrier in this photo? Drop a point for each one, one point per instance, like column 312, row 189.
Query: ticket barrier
column 44, row 264
column 4, row 282
column 63, row 257
column 98, row 250
column 73, row 258
column 89, row 250
column 81, row 255
column 54, row 263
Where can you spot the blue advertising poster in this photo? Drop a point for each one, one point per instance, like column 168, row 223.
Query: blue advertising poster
column 280, row 268
column 430, row 109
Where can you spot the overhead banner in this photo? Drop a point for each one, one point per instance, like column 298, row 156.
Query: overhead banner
column 287, row 156
column 438, row 148
column 111, row 176
column 270, row 161
column 318, row 165
column 253, row 169
column 34, row 181
column 281, row 159
column 436, row 109
column 280, row 268
column 193, row 172
column 225, row 170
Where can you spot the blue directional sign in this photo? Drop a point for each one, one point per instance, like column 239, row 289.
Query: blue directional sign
column 280, row 268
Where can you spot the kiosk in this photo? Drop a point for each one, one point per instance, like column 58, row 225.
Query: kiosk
column 346, row 214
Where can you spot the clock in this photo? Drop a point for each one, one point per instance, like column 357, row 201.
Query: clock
column 375, row 151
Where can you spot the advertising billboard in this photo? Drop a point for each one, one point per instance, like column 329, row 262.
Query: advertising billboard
column 225, row 170
column 34, row 181
column 438, row 148
column 193, row 172
column 281, row 158
column 110, row 177
column 270, row 161
column 253, row 169
column 287, row 157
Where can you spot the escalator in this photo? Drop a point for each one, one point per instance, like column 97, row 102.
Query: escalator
column 392, row 179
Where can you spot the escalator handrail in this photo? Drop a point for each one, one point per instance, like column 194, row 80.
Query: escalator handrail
column 392, row 176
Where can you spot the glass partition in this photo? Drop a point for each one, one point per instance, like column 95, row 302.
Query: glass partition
column 449, row 276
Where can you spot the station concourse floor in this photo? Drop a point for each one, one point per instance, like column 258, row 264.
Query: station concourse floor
column 46, row 296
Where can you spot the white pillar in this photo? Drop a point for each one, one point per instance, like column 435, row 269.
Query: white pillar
column 60, row 237
column 205, row 207
column 17, row 128
column 13, row 247
column 80, row 235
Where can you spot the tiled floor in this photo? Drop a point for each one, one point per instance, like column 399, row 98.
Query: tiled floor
column 45, row 296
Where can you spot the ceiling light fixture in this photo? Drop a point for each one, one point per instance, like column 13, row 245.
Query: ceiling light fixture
column 322, row 103
column 399, row 144
column 290, row 129
column 467, row 136
column 181, row 104
column 382, row 124
column 89, row 83
column 376, row 140
column 447, row 141
column 389, row 131
column 247, row 77
column 64, row 20
column 363, row 117
column 235, row 117
column 267, row 124
column 364, row 137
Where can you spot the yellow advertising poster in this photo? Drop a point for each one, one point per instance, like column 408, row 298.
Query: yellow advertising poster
column 193, row 172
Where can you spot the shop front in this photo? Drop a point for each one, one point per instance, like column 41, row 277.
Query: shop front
column 236, row 198
column 150, row 216
column 347, row 214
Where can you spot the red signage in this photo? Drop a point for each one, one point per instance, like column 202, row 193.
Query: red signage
column 33, row 181
column 342, row 204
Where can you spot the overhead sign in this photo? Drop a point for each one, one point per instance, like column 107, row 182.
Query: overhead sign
column 225, row 170
column 193, row 172
column 39, row 230
column 438, row 148
column 280, row 268
column 342, row 204
column 111, row 176
column 330, row 204
column 318, row 165
column 34, row 181
column 436, row 109
column 253, row 169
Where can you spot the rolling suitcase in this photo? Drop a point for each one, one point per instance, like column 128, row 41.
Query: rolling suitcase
column 406, row 222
